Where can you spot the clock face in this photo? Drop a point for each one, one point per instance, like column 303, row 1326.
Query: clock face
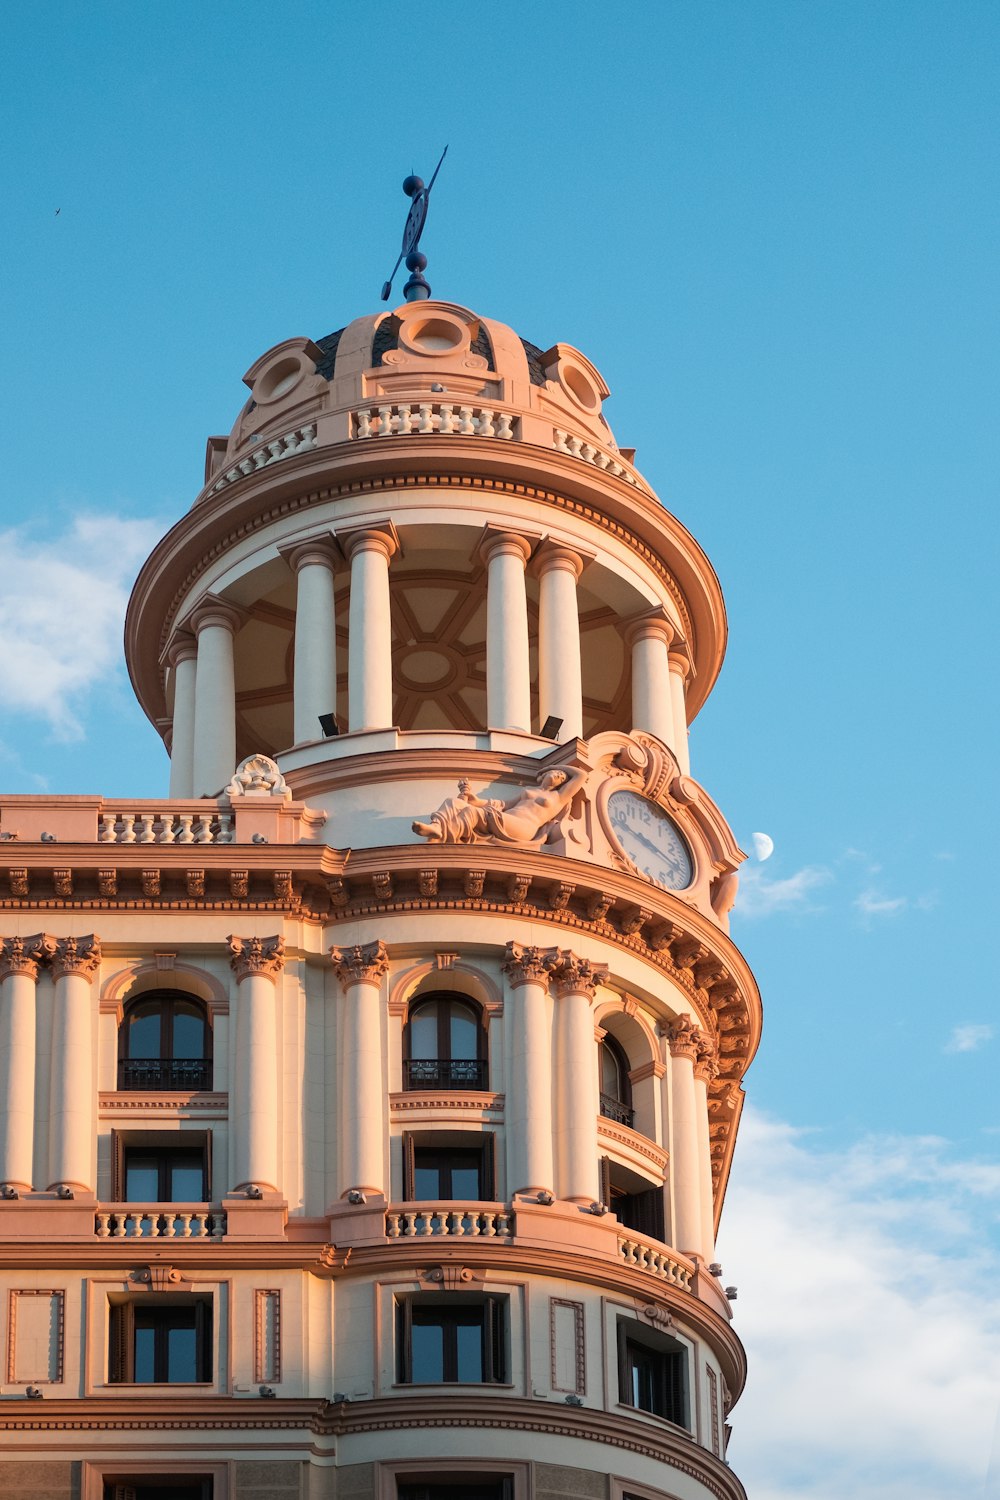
column 651, row 840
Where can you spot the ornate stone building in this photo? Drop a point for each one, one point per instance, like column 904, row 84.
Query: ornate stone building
column 367, row 1106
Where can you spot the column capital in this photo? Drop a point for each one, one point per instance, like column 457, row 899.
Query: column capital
column 76, row 955
column 374, row 536
column 684, row 1038
column 320, row 551
column 24, row 955
column 524, row 964
column 255, row 955
column 211, row 610
column 182, row 646
column 651, row 626
column 707, row 1065
column 552, row 556
column 367, row 962
column 496, row 542
column 570, row 975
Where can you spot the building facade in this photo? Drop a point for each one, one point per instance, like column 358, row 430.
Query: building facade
column 367, row 1105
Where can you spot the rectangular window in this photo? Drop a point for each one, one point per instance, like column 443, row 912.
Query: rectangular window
column 160, row 1167
column 652, row 1372
column 159, row 1487
column 439, row 1172
column 457, row 1339
column 472, row 1488
column 164, row 1341
column 637, row 1208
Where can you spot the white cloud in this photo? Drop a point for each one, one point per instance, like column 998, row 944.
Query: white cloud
column 870, row 1308
column 61, row 611
column 870, row 904
column 969, row 1038
column 760, row 896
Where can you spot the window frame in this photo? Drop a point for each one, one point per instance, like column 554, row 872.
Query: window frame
column 484, row 1144
column 153, row 1141
column 444, row 1063
column 167, row 1000
column 675, row 1377
column 494, row 1351
column 122, row 1332
column 618, row 1107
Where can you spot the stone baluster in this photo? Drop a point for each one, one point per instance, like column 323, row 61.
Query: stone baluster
column 649, row 639
column 684, row 1040
column 215, row 623
column 706, row 1069
column 560, row 690
column 257, row 964
column 529, row 1090
column 75, row 961
column 369, row 662
column 315, row 681
column 360, row 970
column 182, row 654
column 574, row 983
column 19, row 961
column 508, row 683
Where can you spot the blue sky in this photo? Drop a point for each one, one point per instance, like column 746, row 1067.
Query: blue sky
column 774, row 229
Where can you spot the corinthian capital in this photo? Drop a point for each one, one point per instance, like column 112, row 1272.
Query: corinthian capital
column 360, row 961
column 526, row 965
column 570, row 975
column 76, row 955
column 707, row 1065
column 254, row 955
column 23, row 955
column 684, row 1038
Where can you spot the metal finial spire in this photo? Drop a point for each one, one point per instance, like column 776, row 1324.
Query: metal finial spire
column 416, row 289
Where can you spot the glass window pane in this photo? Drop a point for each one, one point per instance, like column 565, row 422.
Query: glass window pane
column 188, row 1030
column 427, row 1183
column 143, row 1036
column 423, row 1032
column 611, row 1083
column 464, row 1034
column 182, row 1359
column 187, row 1183
column 427, row 1351
column 469, row 1350
column 145, row 1353
column 142, row 1180
column 465, row 1182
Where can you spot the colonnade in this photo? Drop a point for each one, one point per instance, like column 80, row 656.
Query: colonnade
column 202, row 654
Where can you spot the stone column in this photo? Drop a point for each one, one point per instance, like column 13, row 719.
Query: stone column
column 362, row 1121
column 706, row 1069
column 215, row 623
column 182, row 655
column 684, row 1039
column 649, row 639
column 574, row 982
column 75, row 961
column 369, row 652
column 257, row 964
column 315, row 688
column 560, row 689
column 678, row 664
column 529, row 1072
column 19, row 961
column 508, row 681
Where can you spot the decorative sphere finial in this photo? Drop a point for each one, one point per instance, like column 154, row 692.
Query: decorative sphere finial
column 416, row 289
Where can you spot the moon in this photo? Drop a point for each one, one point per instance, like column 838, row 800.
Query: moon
column 763, row 845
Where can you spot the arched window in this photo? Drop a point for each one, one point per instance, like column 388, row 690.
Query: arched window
column 616, row 1087
column 165, row 1042
column 445, row 1044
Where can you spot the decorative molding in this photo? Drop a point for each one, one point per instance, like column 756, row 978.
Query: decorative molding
column 74, row 955
column 24, row 955
column 368, row 962
column 684, row 1038
column 570, row 975
column 424, row 1100
column 58, row 1298
column 713, row 1401
column 525, row 964
column 579, row 1346
column 258, row 776
column 267, row 1335
column 609, row 1130
column 254, row 955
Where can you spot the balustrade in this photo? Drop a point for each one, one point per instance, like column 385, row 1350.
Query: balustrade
column 154, row 1221
column 299, row 440
column 647, row 1255
column 125, row 827
column 392, row 420
column 451, row 1220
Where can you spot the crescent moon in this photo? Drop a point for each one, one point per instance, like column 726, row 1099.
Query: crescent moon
column 763, row 845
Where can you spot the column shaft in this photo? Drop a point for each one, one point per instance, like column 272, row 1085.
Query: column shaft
column 369, row 660
column 707, row 1237
column 560, row 688
column 529, row 1090
column 362, row 1120
column 678, row 714
column 257, row 963
column 71, row 1133
column 184, row 659
column 215, row 699
column 17, row 1077
column 508, row 681
column 315, row 690
column 651, row 705
column 685, row 1169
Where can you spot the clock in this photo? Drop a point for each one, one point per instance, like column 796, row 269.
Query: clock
column 650, row 839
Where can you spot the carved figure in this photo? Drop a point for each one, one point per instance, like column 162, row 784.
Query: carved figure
column 466, row 819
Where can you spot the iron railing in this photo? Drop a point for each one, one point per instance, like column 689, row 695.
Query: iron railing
column 614, row 1109
column 444, row 1073
column 135, row 1073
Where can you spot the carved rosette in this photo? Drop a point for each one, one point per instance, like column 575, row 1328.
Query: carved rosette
column 570, row 975
column 684, row 1038
column 24, row 955
column 73, row 955
column 360, row 963
column 254, row 955
column 526, row 965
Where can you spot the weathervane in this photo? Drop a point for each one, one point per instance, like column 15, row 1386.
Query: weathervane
column 416, row 289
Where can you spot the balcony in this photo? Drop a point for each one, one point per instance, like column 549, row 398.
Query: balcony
column 444, row 1073
column 159, row 1221
column 614, row 1109
column 137, row 1074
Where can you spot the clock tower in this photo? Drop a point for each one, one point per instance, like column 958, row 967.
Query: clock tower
column 367, row 1104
